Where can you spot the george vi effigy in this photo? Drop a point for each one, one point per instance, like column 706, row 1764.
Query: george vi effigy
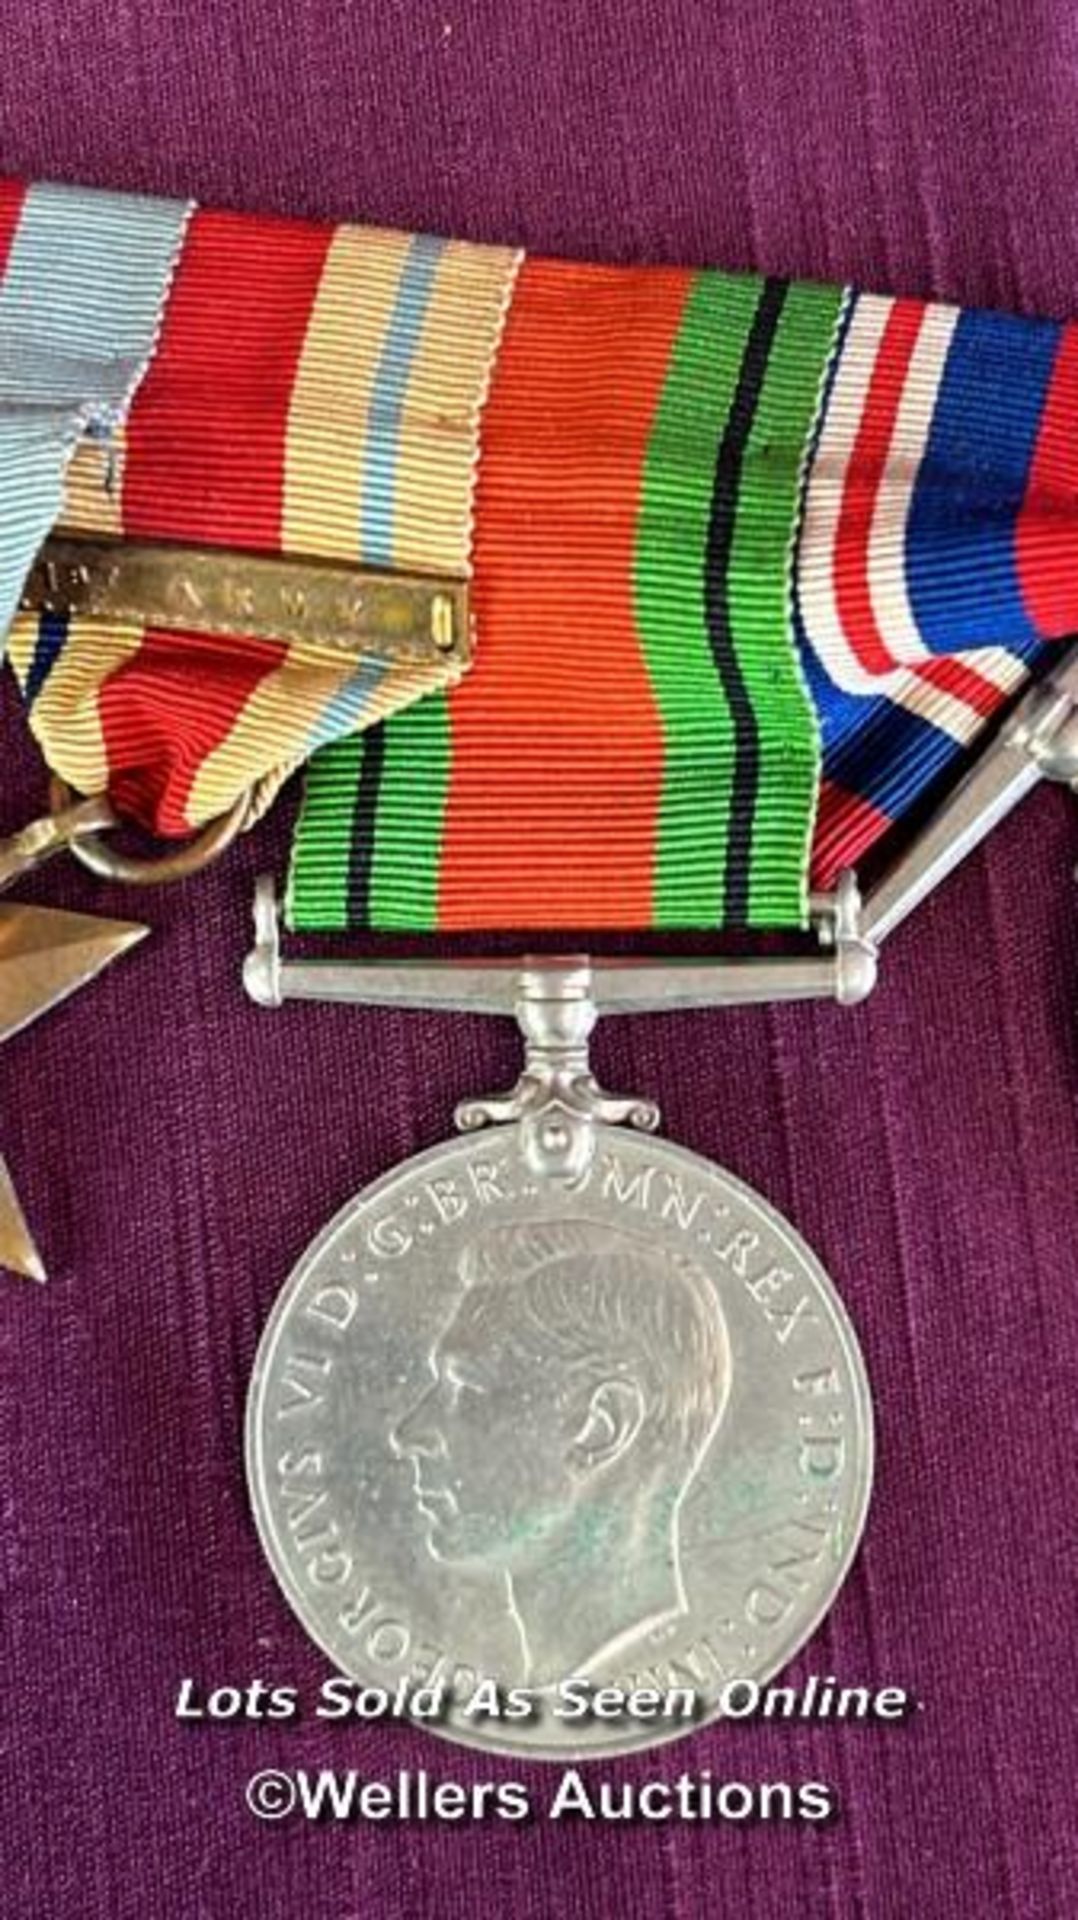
column 516, row 1431
column 576, row 1389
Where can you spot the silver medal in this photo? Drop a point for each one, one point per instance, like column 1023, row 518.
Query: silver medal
column 559, row 1403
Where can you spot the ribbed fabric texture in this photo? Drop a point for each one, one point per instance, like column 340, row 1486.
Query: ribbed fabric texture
column 316, row 390
column 699, row 496
column 937, row 549
column 635, row 746
column 83, row 279
column 754, row 560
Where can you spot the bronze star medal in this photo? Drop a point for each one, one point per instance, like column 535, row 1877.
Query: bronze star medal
column 45, row 954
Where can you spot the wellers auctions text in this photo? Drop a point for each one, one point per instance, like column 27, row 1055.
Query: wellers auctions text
column 325, row 1795
column 330, row 1794
column 339, row 1699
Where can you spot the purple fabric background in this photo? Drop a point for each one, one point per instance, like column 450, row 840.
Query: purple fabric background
column 176, row 1148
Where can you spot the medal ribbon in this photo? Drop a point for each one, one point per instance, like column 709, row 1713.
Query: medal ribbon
column 314, row 391
column 752, row 562
column 83, row 278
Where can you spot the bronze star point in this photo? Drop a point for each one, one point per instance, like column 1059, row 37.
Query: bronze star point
column 46, row 953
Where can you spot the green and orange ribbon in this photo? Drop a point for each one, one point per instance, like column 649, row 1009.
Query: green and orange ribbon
column 752, row 562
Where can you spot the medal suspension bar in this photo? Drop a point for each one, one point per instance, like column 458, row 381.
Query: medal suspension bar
column 1039, row 741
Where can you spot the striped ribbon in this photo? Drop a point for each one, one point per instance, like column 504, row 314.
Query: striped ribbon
column 635, row 746
column 314, row 391
column 752, row 562
column 82, row 281
column 938, row 549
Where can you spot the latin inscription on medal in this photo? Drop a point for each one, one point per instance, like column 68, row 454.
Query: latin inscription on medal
column 511, row 1430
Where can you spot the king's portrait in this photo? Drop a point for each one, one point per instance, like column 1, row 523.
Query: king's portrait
column 574, row 1392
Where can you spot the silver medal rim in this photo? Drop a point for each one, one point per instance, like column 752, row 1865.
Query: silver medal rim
column 615, row 1746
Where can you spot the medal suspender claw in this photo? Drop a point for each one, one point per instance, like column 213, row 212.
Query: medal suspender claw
column 556, row 1398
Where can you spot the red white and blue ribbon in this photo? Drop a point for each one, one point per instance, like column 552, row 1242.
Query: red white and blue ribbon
column 753, row 562
column 938, row 545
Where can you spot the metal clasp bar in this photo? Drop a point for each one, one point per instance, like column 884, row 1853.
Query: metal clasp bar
column 410, row 619
column 845, row 970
